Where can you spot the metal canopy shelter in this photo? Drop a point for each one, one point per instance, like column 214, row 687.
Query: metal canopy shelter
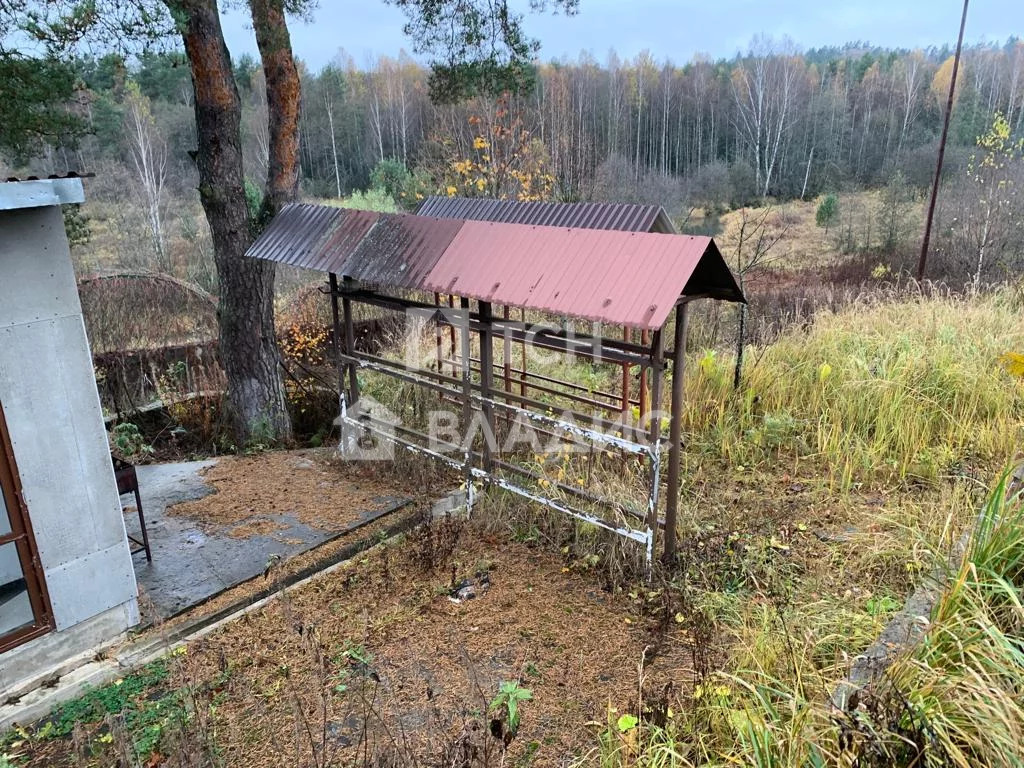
column 623, row 277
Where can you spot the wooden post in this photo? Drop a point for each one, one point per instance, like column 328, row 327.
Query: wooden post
column 657, row 369
column 467, row 396
column 439, row 335
column 350, row 344
column 336, row 336
column 625, row 375
column 487, row 380
column 675, row 448
column 923, row 259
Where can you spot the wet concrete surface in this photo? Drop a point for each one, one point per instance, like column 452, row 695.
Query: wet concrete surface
column 191, row 565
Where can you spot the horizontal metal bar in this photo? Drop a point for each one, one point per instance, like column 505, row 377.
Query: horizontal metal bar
column 577, row 492
column 423, row 376
column 588, row 434
column 608, row 407
column 536, row 335
column 629, row 533
column 635, row 535
column 498, row 366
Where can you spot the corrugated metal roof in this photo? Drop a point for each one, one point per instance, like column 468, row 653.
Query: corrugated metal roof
column 629, row 278
column 625, row 278
column 399, row 250
column 40, row 193
column 626, row 217
column 51, row 177
column 393, row 249
column 296, row 236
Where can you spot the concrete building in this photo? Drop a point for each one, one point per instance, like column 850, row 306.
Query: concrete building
column 67, row 584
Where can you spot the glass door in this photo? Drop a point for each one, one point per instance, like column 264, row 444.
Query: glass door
column 24, row 605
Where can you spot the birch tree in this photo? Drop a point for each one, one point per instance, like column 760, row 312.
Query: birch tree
column 148, row 150
column 763, row 87
column 996, row 221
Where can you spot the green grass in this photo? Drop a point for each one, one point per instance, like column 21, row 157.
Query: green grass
column 907, row 401
column 132, row 716
column 965, row 682
column 954, row 699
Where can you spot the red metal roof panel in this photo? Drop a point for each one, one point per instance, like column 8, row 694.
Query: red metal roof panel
column 625, row 278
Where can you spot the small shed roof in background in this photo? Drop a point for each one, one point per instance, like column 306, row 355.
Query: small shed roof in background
column 37, row 193
column 624, row 278
column 626, row 217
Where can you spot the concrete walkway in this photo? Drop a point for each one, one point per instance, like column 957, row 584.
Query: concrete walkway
column 190, row 564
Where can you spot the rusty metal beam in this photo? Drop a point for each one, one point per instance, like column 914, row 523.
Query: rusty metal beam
column 487, row 380
column 625, row 374
column 350, row 345
column 535, row 334
column 607, row 407
column 657, row 376
column 336, row 335
column 675, row 447
column 506, row 350
column 439, row 334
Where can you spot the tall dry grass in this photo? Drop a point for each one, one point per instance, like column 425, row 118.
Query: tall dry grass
column 956, row 698
column 910, row 388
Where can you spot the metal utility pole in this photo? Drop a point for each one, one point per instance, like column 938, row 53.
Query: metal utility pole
column 923, row 261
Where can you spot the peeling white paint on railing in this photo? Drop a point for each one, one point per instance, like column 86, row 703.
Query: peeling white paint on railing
column 643, row 536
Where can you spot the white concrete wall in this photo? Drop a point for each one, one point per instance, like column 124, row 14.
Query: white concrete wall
column 49, row 397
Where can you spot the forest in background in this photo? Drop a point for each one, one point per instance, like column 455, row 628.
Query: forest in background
column 699, row 139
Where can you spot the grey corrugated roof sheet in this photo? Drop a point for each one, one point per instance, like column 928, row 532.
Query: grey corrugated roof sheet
column 624, row 217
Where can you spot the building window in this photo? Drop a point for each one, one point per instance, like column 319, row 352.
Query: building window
column 24, row 605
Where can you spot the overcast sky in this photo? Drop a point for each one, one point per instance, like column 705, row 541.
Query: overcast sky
column 669, row 29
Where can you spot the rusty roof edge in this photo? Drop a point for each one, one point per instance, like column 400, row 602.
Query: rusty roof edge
column 51, row 177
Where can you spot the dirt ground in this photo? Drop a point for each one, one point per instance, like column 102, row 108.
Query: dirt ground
column 305, row 485
column 376, row 664
column 419, row 670
column 309, row 485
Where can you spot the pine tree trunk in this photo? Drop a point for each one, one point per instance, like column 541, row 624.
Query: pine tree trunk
column 283, row 99
column 248, row 346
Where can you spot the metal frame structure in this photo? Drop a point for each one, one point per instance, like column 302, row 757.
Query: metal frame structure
column 624, row 279
column 481, row 396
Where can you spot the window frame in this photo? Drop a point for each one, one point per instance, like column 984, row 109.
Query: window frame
column 24, row 540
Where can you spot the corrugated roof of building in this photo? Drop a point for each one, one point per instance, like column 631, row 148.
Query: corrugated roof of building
column 624, row 278
column 51, row 177
column 627, row 217
column 400, row 250
column 393, row 249
column 628, row 278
